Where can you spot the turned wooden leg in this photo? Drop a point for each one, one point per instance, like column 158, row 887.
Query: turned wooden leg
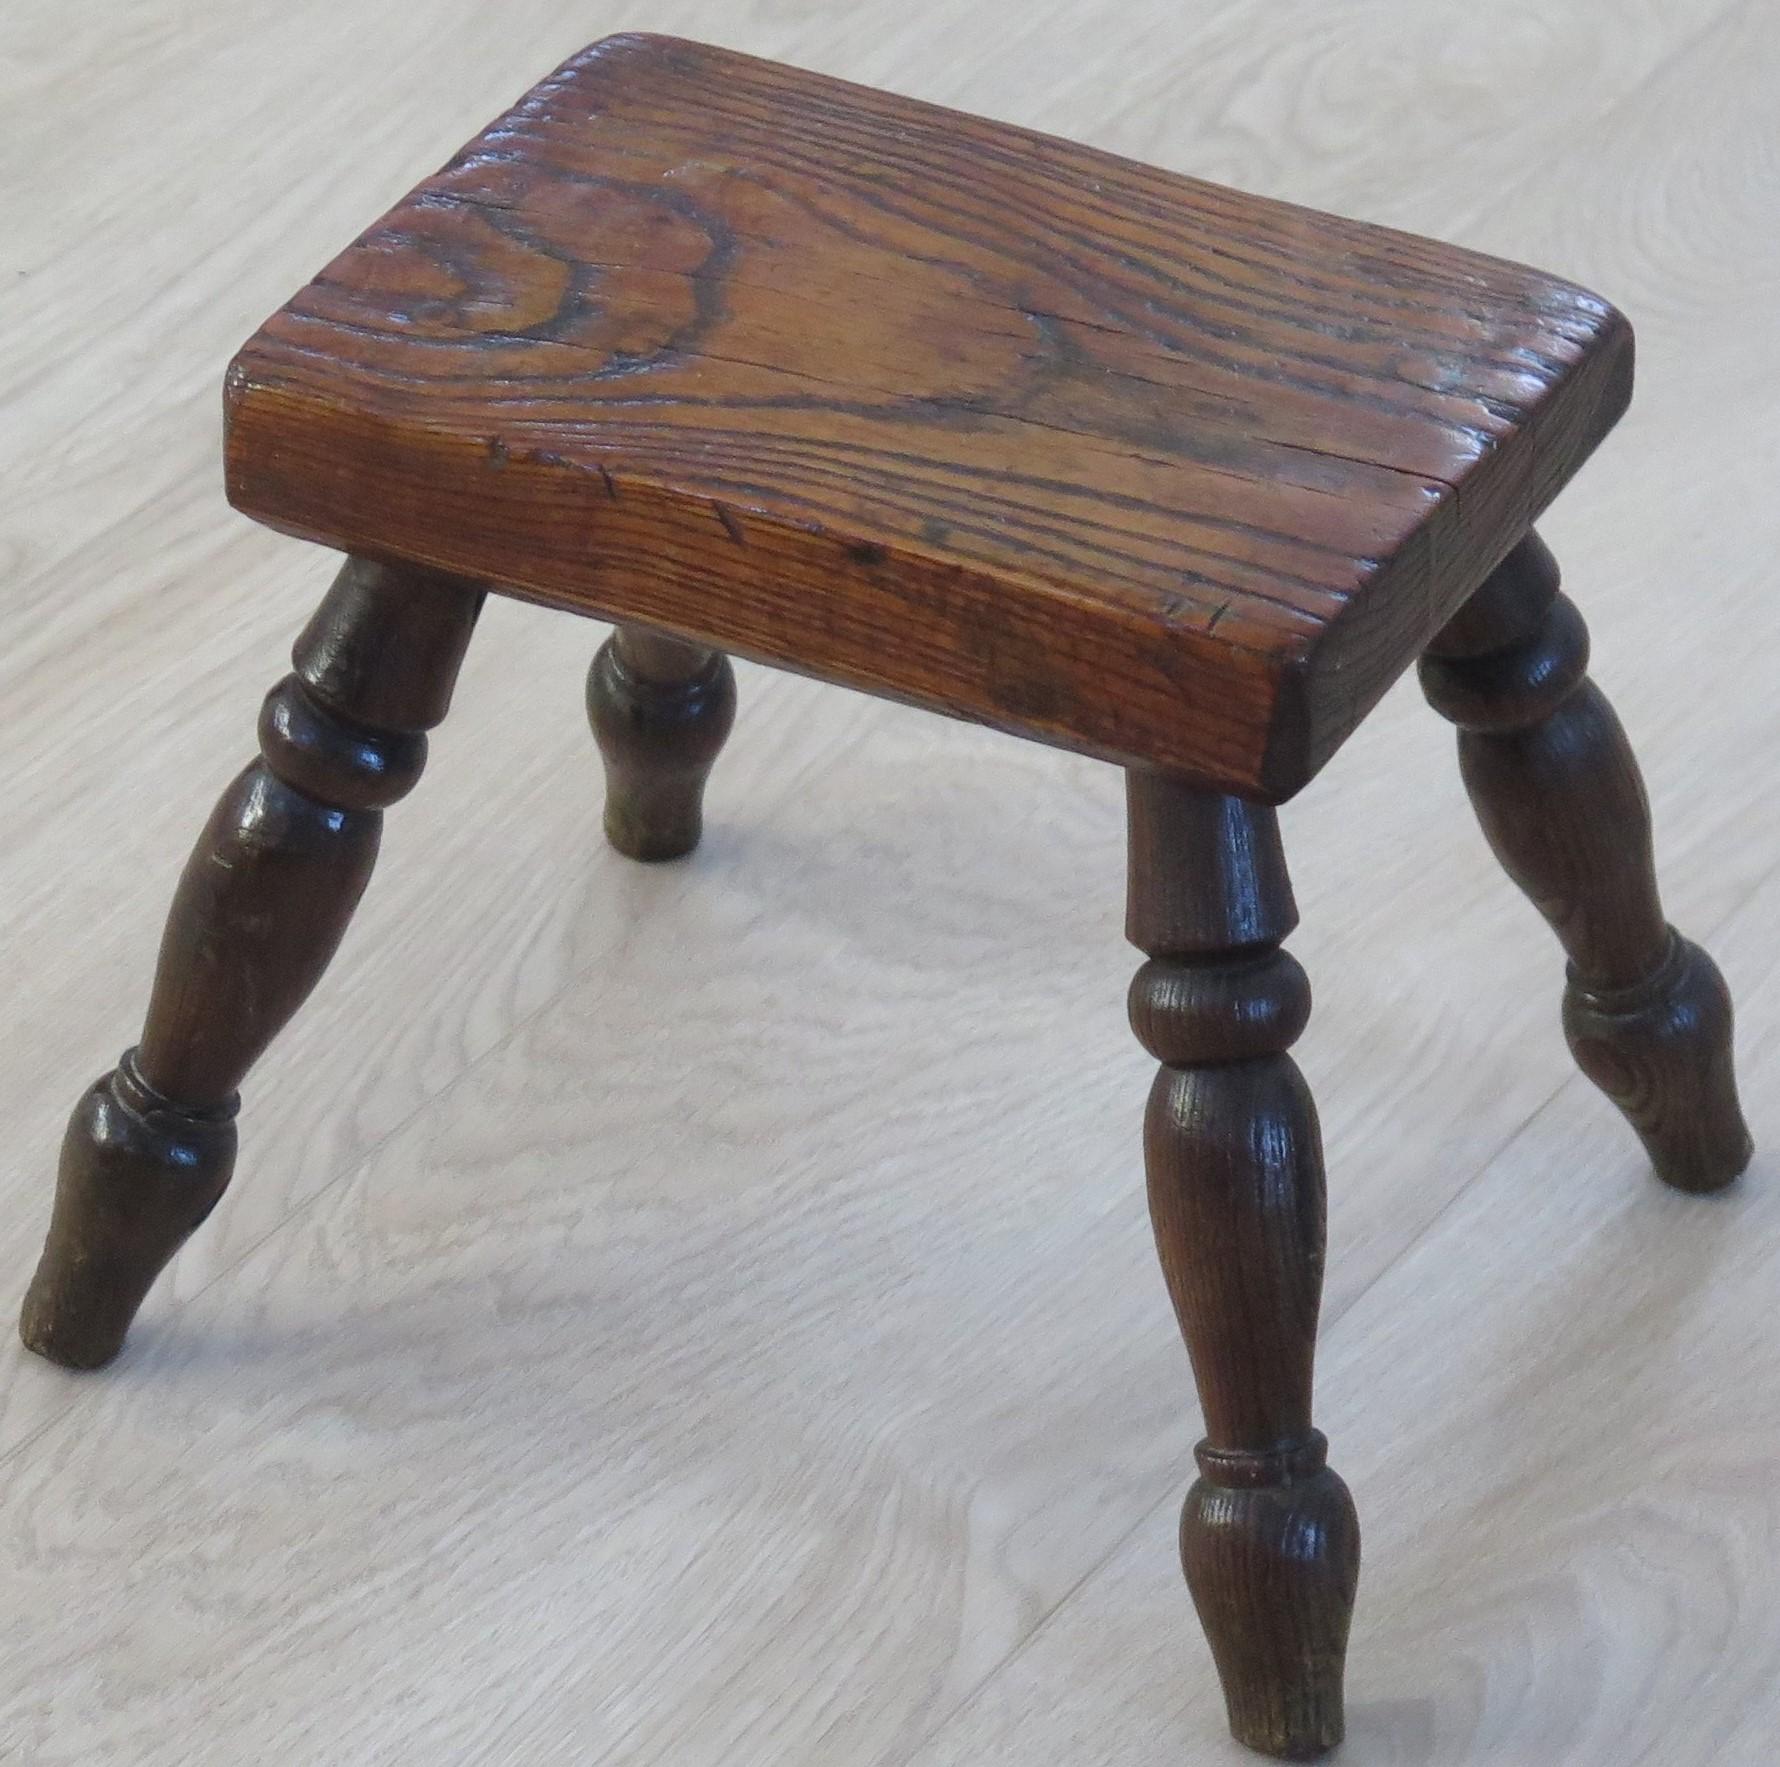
column 1269, row 1539
column 260, row 908
column 661, row 710
column 1555, row 785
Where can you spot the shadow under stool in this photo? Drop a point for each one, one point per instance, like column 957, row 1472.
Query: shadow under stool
column 747, row 359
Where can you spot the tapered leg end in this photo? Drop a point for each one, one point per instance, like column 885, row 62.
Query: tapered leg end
column 1272, row 1570
column 137, row 1177
column 1661, row 1050
column 655, row 832
column 661, row 711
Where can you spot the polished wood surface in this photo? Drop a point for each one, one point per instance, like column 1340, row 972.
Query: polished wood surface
column 931, row 406
column 861, row 1442
column 1562, row 803
column 1268, row 1539
column 261, row 908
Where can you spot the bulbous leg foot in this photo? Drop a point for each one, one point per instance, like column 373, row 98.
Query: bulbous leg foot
column 1661, row 1050
column 661, row 710
column 137, row 1178
column 1280, row 1660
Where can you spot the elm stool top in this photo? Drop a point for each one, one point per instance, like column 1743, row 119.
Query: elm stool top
column 931, row 406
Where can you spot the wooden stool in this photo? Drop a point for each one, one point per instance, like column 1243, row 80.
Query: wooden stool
column 747, row 359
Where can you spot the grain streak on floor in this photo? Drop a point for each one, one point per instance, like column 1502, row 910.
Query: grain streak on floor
column 707, row 1315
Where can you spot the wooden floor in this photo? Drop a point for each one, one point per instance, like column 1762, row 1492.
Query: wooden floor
column 706, row 1315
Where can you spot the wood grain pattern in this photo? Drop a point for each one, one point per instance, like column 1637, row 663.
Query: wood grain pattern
column 930, row 406
column 808, row 1430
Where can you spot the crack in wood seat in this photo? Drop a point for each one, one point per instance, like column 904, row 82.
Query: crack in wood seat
column 931, row 406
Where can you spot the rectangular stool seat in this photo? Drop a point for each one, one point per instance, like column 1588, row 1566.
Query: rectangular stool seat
column 937, row 408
